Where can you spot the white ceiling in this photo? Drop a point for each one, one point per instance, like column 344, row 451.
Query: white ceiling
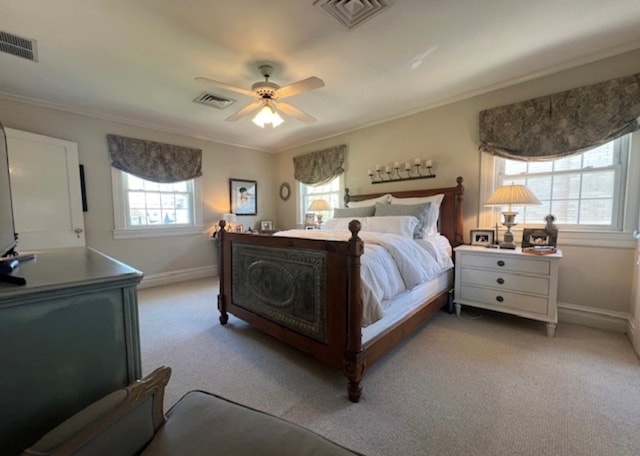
column 136, row 60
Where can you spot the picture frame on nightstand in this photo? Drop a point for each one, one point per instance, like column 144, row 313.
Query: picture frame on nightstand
column 536, row 237
column 482, row 237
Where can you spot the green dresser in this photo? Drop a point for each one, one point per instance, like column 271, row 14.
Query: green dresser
column 67, row 338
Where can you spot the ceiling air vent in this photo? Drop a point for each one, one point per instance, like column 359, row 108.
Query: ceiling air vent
column 211, row 99
column 18, row 46
column 351, row 13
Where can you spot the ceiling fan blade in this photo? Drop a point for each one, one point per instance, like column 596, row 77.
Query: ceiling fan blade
column 224, row 85
column 294, row 112
column 245, row 111
column 299, row 87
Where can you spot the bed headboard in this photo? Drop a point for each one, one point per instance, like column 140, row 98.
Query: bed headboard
column 451, row 218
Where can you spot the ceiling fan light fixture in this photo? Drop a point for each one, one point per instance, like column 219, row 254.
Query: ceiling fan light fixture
column 267, row 115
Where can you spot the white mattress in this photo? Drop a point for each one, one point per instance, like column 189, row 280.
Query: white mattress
column 406, row 303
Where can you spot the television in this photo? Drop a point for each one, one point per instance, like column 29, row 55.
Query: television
column 8, row 236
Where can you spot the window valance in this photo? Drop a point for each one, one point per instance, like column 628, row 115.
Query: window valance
column 564, row 123
column 319, row 167
column 154, row 161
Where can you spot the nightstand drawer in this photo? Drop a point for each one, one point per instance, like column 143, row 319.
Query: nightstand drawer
column 507, row 262
column 503, row 280
column 498, row 298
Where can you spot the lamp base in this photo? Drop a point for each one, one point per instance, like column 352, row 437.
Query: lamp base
column 507, row 242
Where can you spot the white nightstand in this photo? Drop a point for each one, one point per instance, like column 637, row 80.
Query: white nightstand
column 508, row 281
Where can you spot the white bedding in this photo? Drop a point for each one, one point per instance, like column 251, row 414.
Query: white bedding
column 391, row 264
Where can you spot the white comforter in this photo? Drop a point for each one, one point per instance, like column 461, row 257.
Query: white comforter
column 391, row 264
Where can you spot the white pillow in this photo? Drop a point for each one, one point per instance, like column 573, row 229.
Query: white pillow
column 338, row 224
column 431, row 227
column 393, row 224
column 386, row 199
column 419, row 211
column 404, row 225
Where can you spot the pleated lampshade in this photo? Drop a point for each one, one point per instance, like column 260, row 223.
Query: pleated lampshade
column 517, row 195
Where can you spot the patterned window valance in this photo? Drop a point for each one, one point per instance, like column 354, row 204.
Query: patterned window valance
column 154, row 161
column 564, row 123
column 319, row 167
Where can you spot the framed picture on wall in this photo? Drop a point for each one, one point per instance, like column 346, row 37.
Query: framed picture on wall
column 243, row 196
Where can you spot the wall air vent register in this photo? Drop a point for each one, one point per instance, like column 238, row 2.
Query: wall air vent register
column 18, row 46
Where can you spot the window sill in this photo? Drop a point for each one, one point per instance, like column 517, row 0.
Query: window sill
column 140, row 233
column 606, row 239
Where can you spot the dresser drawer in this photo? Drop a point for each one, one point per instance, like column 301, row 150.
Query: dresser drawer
column 502, row 280
column 506, row 262
column 504, row 299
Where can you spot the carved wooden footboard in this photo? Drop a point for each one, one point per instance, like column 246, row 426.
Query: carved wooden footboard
column 307, row 292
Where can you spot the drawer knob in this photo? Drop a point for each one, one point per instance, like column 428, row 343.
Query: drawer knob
column 499, row 298
column 500, row 280
column 500, row 263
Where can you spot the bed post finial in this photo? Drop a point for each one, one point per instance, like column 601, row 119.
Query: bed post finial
column 355, row 227
column 347, row 197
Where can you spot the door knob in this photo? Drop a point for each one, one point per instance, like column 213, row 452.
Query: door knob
column 78, row 232
column 636, row 234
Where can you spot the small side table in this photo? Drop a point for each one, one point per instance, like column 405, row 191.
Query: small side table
column 508, row 281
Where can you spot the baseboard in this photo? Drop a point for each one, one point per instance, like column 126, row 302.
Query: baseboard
column 595, row 318
column 165, row 278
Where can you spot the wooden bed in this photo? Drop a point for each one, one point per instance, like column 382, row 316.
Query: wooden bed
column 307, row 292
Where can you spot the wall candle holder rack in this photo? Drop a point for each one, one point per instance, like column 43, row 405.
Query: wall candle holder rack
column 394, row 173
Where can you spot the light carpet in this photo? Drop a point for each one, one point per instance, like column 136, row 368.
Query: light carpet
column 481, row 384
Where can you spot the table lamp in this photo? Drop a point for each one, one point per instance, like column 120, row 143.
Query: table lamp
column 319, row 205
column 507, row 195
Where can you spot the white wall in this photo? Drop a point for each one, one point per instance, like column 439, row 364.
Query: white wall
column 164, row 257
column 595, row 280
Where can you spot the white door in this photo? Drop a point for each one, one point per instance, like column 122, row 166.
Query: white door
column 45, row 186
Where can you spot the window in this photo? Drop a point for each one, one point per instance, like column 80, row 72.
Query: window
column 331, row 192
column 587, row 192
column 146, row 209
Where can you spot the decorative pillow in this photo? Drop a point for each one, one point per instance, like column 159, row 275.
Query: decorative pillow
column 354, row 212
column 431, row 227
column 419, row 211
column 385, row 199
column 337, row 224
column 404, row 225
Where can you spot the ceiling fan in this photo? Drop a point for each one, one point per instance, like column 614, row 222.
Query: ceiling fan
column 268, row 96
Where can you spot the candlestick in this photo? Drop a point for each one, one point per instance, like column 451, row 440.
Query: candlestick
column 400, row 171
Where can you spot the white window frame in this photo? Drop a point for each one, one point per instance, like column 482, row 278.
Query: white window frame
column 122, row 229
column 302, row 193
column 618, row 236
